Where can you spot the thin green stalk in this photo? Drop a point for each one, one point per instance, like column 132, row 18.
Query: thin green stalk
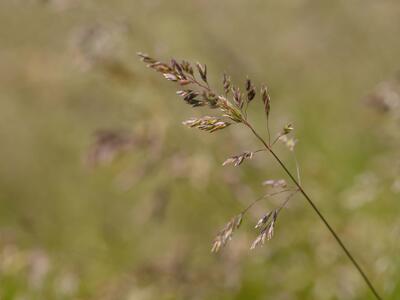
column 268, row 131
column 318, row 212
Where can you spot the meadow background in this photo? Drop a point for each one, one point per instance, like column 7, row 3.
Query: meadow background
column 84, row 220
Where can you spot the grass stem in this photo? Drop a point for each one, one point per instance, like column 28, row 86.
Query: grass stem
column 318, row 212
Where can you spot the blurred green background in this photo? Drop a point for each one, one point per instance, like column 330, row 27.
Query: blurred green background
column 81, row 218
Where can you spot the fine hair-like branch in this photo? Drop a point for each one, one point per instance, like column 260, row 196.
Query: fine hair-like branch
column 232, row 106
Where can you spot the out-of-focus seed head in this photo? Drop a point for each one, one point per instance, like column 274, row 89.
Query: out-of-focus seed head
column 237, row 160
column 263, row 220
column 146, row 58
column 289, row 142
column 287, row 129
column 267, row 232
column 225, row 234
column 281, row 183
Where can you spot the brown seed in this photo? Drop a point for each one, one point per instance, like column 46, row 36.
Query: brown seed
column 202, row 71
column 226, row 83
column 250, row 89
column 266, row 100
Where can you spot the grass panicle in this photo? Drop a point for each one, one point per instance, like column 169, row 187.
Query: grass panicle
column 232, row 105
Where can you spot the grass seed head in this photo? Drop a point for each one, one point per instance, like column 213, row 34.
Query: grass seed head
column 227, row 84
column 225, row 234
column 250, row 89
column 266, row 100
column 279, row 183
column 209, row 124
column 237, row 160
